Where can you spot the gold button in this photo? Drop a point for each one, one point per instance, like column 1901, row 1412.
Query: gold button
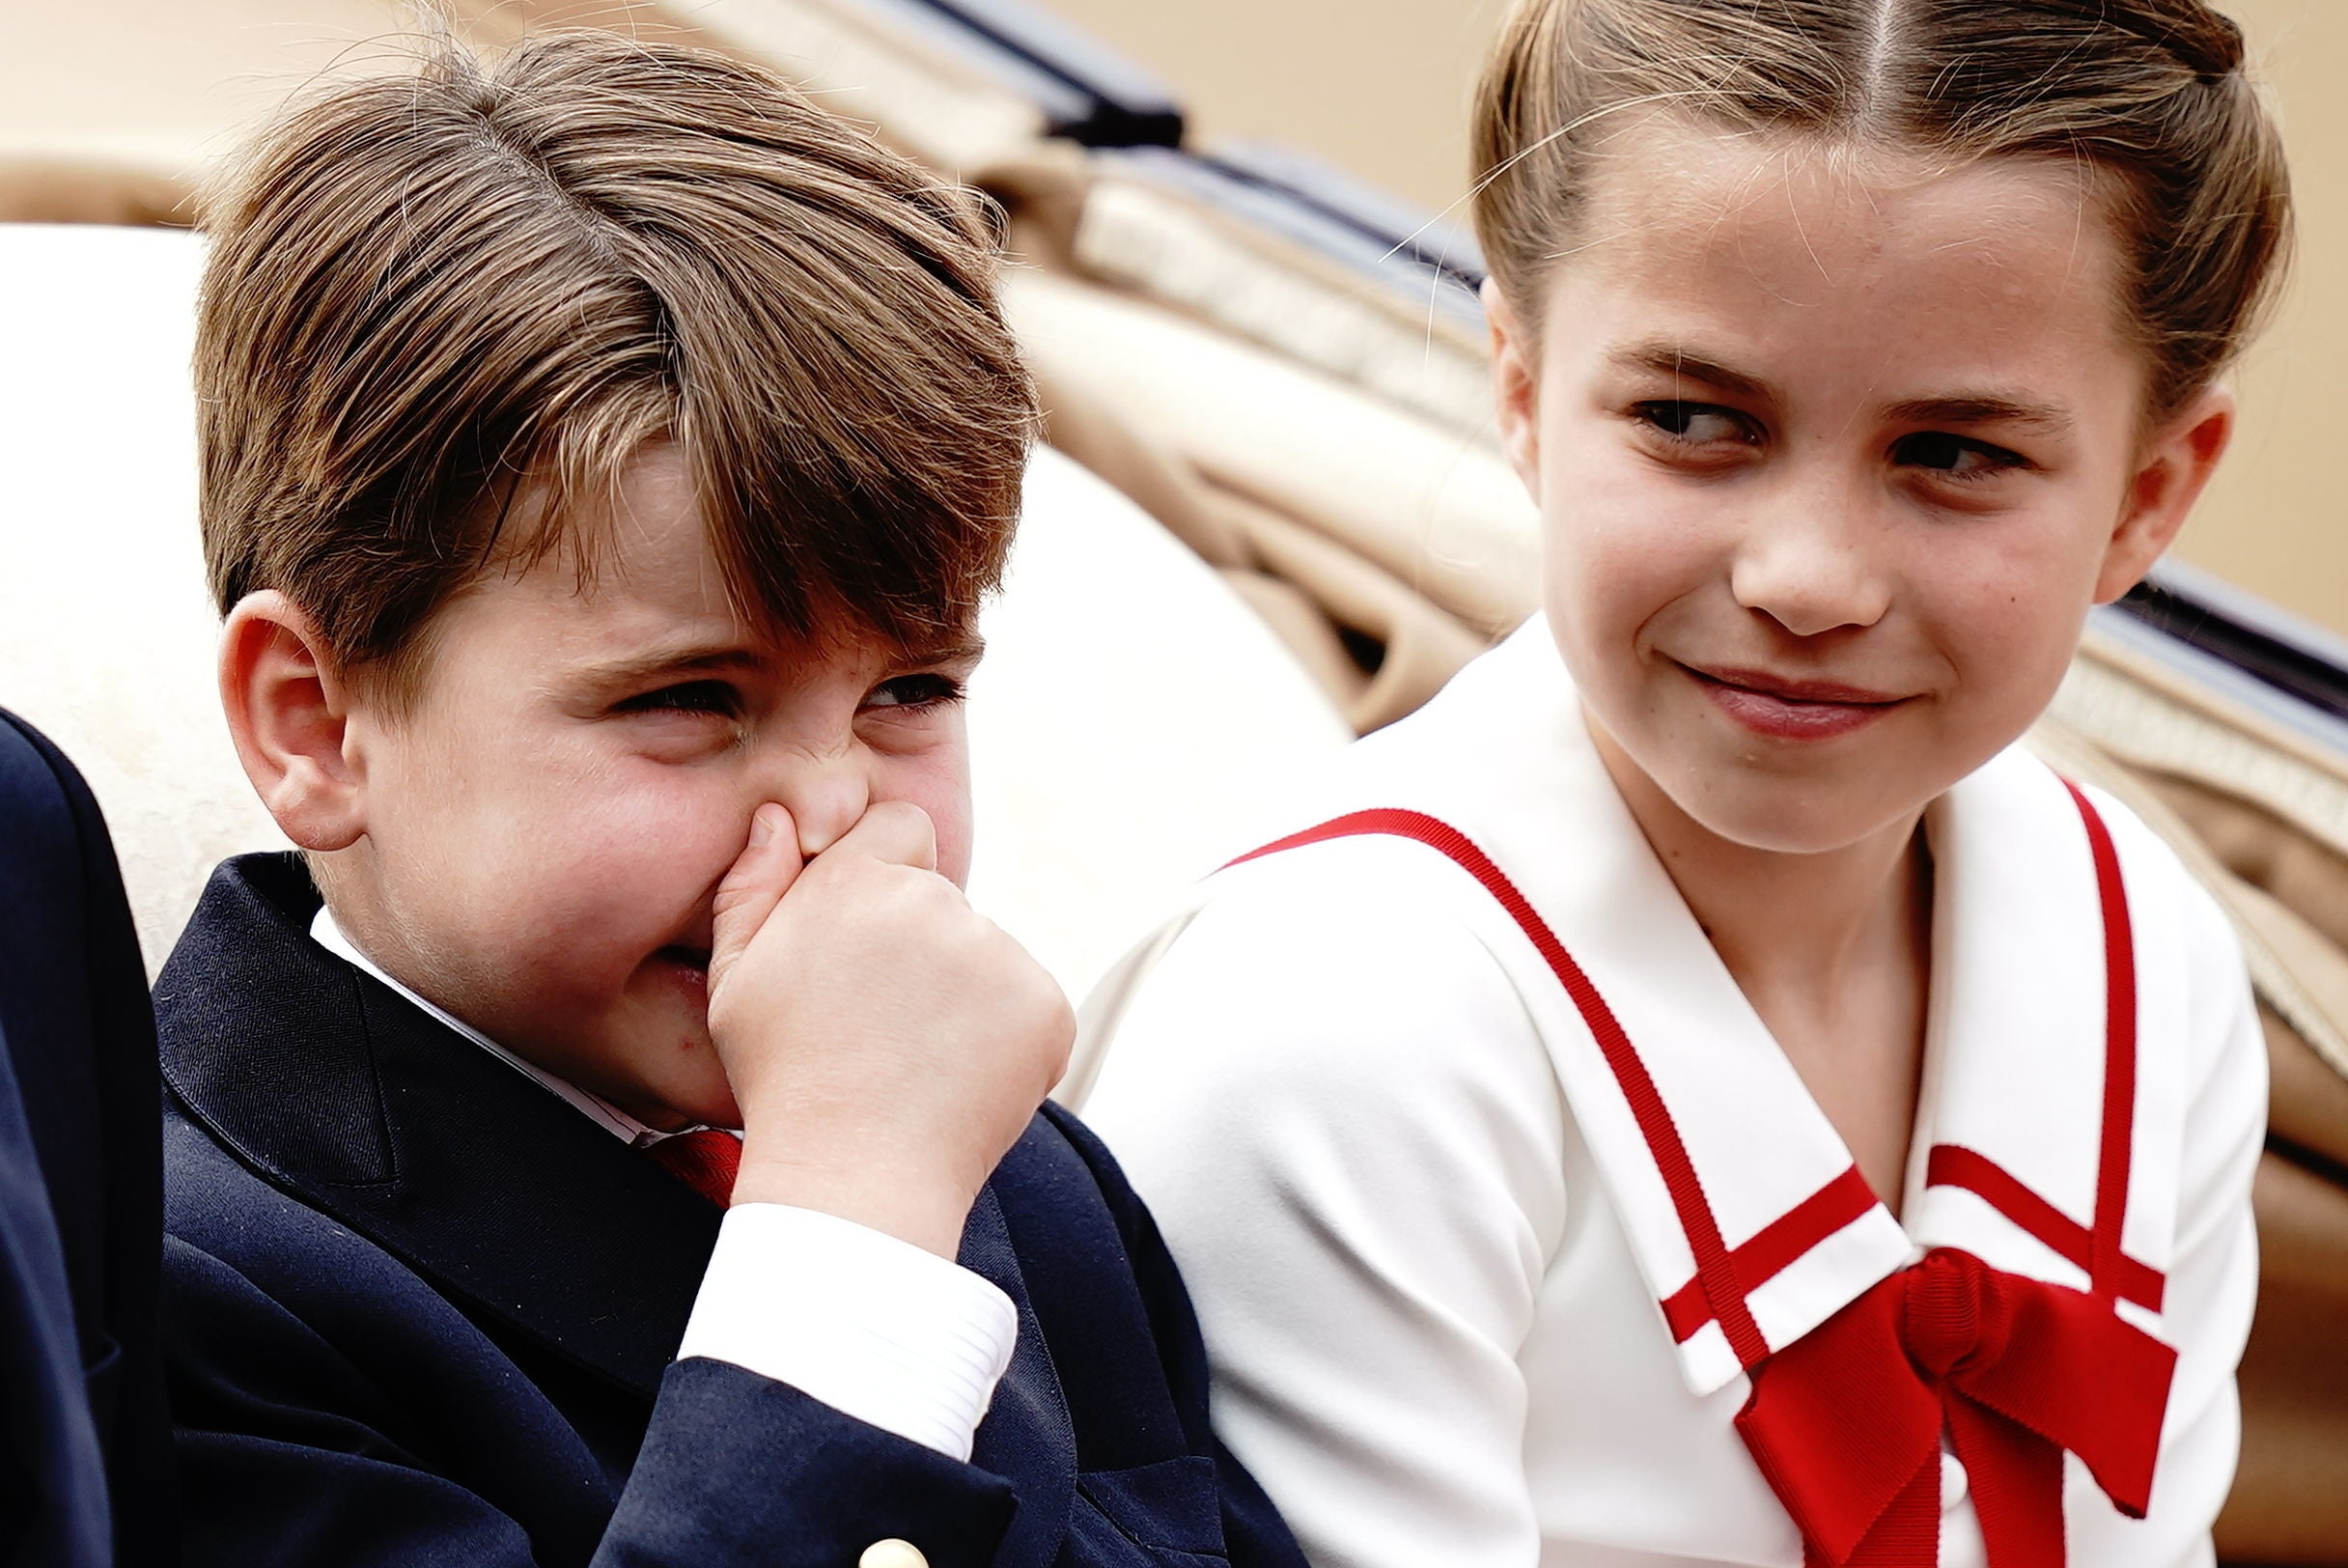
column 892, row 1553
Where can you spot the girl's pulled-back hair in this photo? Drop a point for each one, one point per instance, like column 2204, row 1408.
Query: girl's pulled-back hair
column 2149, row 95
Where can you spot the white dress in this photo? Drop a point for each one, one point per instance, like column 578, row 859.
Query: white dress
column 1445, row 1232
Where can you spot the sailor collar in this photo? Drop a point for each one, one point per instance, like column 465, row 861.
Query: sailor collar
column 1749, row 1218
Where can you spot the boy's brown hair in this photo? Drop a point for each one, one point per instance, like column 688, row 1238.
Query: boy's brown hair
column 429, row 294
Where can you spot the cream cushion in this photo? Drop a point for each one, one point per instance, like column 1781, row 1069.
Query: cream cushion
column 1130, row 714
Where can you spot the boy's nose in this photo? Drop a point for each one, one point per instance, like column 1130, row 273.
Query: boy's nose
column 826, row 794
column 1812, row 564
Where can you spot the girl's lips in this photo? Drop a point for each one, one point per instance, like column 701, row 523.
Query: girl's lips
column 1790, row 710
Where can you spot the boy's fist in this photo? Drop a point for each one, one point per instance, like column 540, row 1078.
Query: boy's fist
column 887, row 1043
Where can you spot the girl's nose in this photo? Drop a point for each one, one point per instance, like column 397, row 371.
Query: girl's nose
column 1811, row 564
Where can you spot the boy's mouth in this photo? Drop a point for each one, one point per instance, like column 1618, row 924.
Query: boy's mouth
column 696, row 959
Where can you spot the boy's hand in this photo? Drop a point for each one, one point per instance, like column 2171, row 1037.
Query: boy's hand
column 885, row 1043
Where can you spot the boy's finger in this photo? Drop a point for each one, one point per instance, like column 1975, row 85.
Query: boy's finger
column 897, row 831
column 759, row 876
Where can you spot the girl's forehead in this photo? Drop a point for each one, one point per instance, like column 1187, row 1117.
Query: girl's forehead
column 1814, row 219
column 1802, row 250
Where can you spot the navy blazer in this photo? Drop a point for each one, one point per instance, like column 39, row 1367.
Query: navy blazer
column 84, row 1458
column 419, row 1311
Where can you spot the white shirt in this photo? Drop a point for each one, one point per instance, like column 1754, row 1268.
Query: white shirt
column 874, row 1327
column 1428, row 1238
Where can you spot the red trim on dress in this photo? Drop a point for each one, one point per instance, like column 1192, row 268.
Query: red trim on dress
column 1846, row 1422
column 2105, row 1260
column 1715, row 1271
column 1952, row 1164
column 1778, row 1245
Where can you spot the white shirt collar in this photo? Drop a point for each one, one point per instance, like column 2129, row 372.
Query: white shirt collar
column 2013, row 1069
column 603, row 1113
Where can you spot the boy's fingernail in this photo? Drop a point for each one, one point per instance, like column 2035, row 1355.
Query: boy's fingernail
column 761, row 827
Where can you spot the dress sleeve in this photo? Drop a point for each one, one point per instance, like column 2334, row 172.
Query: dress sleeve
column 2213, row 1283
column 1349, row 1131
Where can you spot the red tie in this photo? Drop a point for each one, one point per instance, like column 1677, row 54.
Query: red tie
column 705, row 1160
column 1846, row 1421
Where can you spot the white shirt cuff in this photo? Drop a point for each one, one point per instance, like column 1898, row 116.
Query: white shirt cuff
column 874, row 1327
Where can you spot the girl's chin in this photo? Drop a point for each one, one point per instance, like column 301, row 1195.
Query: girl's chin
column 1781, row 817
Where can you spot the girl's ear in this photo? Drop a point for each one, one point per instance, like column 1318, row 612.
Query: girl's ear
column 2171, row 473
column 1515, row 390
column 288, row 710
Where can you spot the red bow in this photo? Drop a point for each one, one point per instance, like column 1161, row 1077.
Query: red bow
column 1846, row 1421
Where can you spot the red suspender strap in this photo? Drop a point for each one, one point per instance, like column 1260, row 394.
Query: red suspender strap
column 1716, row 1271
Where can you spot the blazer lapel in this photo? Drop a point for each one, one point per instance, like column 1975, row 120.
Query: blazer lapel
column 337, row 1090
column 1026, row 1435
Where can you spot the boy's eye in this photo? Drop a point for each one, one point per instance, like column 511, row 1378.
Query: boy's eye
column 1697, row 424
column 687, row 698
column 1958, row 457
column 916, row 692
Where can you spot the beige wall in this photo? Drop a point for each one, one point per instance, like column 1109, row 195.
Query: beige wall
column 1381, row 86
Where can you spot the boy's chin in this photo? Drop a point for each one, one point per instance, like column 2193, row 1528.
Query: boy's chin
column 672, row 1107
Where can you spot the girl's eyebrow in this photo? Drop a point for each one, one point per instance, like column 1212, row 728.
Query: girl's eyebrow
column 1662, row 358
column 1982, row 408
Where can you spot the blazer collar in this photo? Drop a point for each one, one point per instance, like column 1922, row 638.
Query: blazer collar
column 337, row 1090
column 2014, row 1053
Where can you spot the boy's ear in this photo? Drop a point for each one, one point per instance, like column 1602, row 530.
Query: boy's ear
column 1515, row 388
column 288, row 710
column 2171, row 473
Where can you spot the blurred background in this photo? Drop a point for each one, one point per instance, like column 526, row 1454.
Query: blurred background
column 1377, row 88
column 1382, row 87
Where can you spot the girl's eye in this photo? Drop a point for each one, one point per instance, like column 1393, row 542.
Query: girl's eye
column 1957, row 457
column 1697, row 424
column 916, row 692
column 689, row 697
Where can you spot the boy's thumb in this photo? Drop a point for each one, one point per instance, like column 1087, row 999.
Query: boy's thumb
column 760, row 874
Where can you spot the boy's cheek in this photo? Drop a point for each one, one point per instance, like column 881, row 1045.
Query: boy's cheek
column 937, row 780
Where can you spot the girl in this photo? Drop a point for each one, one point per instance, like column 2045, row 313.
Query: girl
column 1698, row 1092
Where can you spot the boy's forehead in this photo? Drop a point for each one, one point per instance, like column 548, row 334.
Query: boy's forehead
column 631, row 574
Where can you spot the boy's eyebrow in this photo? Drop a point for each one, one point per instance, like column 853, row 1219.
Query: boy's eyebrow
column 727, row 657
column 962, row 647
column 684, row 659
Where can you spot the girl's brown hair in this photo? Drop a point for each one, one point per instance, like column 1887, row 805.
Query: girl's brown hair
column 426, row 291
column 2149, row 95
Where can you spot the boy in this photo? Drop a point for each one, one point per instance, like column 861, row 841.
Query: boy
column 601, row 464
